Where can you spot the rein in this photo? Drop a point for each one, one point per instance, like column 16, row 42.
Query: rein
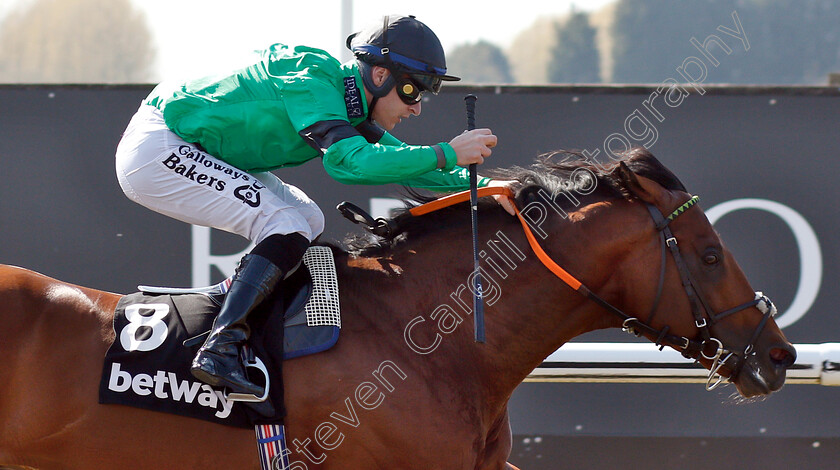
column 689, row 348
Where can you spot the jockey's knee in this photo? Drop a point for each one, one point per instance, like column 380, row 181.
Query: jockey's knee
column 316, row 222
column 300, row 220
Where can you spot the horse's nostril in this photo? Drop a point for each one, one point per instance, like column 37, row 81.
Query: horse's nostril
column 783, row 357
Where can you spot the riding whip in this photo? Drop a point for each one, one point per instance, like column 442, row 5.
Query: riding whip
column 478, row 301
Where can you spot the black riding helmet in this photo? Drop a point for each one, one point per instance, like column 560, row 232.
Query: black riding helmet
column 409, row 50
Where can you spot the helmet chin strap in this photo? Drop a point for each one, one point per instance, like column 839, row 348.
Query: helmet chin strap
column 366, row 71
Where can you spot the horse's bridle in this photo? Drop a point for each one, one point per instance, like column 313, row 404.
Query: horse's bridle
column 699, row 307
column 708, row 347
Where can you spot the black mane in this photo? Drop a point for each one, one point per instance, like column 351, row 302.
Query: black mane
column 555, row 173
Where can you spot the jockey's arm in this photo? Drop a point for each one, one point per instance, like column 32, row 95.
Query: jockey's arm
column 350, row 157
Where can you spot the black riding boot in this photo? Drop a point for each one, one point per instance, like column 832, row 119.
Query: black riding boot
column 217, row 362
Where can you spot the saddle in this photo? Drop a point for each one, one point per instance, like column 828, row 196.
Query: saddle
column 158, row 330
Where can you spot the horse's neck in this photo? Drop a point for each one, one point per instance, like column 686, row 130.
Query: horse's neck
column 528, row 311
column 535, row 312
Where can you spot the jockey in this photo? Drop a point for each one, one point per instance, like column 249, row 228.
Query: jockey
column 203, row 151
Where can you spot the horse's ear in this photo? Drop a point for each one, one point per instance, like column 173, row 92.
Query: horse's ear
column 643, row 188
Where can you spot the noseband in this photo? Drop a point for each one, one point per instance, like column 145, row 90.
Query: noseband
column 708, row 346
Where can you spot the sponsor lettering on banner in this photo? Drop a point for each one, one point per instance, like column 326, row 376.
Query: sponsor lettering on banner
column 166, row 386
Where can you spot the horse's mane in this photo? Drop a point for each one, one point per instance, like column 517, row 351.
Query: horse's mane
column 558, row 172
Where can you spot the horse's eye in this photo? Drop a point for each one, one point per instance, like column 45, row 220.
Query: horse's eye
column 711, row 258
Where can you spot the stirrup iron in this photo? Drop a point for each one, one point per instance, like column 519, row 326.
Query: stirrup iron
column 249, row 360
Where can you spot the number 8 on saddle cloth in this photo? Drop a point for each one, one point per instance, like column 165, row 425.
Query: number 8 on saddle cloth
column 147, row 366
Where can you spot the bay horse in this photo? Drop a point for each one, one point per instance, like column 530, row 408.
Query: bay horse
column 406, row 386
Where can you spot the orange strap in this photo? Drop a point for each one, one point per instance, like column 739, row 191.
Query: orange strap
column 457, row 198
column 543, row 256
column 497, row 190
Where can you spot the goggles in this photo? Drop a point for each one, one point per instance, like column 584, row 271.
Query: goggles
column 410, row 87
column 409, row 91
column 428, row 82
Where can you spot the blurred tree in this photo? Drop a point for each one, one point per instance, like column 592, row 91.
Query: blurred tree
column 790, row 41
column 601, row 20
column 76, row 41
column 481, row 62
column 530, row 52
column 574, row 57
column 650, row 38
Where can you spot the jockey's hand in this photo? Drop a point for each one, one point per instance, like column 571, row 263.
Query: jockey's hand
column 505, row 202
column 473, row 146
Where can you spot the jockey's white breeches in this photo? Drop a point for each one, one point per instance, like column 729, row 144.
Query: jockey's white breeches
column 161, row 171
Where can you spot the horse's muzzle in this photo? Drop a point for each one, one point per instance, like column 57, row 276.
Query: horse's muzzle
column 761, row 373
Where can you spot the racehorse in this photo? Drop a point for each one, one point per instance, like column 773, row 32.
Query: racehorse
column 406, row 386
